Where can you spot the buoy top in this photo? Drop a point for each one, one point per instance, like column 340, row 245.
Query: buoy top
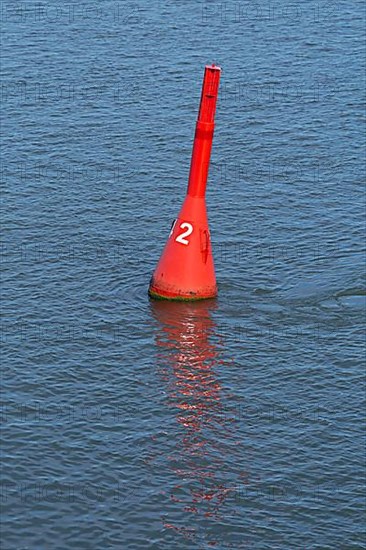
column 209, row 94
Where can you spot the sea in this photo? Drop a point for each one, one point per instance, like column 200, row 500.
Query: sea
column 233, row 423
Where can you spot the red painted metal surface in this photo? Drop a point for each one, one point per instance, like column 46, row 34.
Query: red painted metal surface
column 185, row 270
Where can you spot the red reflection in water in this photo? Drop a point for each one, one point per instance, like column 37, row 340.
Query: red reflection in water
column 188, row 353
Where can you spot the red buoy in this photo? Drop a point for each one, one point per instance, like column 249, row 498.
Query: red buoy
column 186, row 270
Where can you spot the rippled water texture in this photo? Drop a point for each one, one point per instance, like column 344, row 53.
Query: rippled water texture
column 133, row 424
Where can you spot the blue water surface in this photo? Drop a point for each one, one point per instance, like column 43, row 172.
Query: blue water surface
column 233, row 423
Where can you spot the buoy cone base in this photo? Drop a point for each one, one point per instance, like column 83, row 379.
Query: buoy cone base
column 185, row 271
column 176, row 297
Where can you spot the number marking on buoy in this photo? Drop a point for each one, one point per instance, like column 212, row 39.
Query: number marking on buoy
column 189, row 229
column 172, row 228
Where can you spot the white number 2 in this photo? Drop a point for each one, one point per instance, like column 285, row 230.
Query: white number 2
column 181, row 237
